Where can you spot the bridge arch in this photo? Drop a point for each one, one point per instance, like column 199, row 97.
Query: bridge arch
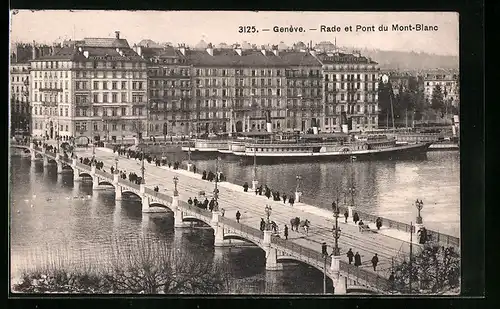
column 228, row 236
column 131, row 194
column 51, row 160
column 84, row 174
column 67, row 167
column 286, row 258
column 154, row 204
column 105, row 183
column 26, row 150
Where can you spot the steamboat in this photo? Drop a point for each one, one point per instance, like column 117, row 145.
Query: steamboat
column 324, row 146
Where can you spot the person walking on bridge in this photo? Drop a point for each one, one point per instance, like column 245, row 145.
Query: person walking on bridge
column 375, row 262
column 350, row 255
column 357, row 259
column 285, row 232
column 324, row 251
column 238, row 216
column 190, row 201
column 346, row 215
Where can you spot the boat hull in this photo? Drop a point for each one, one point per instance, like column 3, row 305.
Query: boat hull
column 440, row 147
column 414, row 151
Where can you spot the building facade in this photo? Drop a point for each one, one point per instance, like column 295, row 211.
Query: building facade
column 94, row 89
column 449, row 83
column 350, row 88
column 20, row 107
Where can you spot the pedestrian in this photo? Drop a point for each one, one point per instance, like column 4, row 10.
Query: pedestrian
column 355, row 218
column 350, row 255
column 238, row 216
column 190, row 201
column 357, row 259
column 346, row 215
column 222, row 212
column 195, row 201
column 324, row 249
column 375, row 262
column 284, row 198
column 391, row 280
column 245, row 187
column 285, row 232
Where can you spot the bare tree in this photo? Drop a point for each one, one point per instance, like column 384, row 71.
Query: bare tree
column 151, row 267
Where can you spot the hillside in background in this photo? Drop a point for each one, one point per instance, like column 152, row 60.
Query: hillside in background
column 393, row 60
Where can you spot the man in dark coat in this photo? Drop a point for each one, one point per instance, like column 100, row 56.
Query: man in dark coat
column 346, row 215
column 205, row 203
column 355, row 218
column 211, row 204
column 238, row 216
column 357, row 259
column 285, row 232
column 350, row 255
column 190, row 201
column 204, row 175
column 324, row 251
column 378, row 223
column 291, row 200
column 375, row 262
column 245, row 187
column 284, row 199
column 195, row 201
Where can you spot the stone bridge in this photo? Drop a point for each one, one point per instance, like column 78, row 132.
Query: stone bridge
column 346, row 278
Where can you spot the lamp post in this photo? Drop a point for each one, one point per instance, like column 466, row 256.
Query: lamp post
column 268, row 210
column 176, row 180
column 116, row 163
column 419, row 205
column 352, row 191
column 297, row 188
column 143, row 181
column 336, row 236
column 216, row 190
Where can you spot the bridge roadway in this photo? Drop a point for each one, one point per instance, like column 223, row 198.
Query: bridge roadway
column 251, row 207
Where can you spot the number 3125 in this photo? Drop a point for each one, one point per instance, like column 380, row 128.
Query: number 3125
column 247, row 29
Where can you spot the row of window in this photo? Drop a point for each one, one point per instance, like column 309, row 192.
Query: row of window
column 170, row 83
column 172, row 93
column 18, row 78
column 110, row 112
column 40, row 126
column 350, row 77
column 105, row 85
column 51, row 85
column 356, row 86
column 107, row 98
column 111, row 74
column 168, row 72
column 52, row 111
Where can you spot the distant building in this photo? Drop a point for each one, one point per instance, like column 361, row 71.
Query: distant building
column 95, row 89
column 20, row 108
column 449, row 82
column 171, row 110
column 350, row 88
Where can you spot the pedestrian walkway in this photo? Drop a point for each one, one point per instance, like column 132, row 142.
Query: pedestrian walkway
column 232, row 198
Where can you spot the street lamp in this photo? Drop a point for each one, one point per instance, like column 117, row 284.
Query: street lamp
column 254, row 163
column 298, row 178
column 419, row 205
column 268, row 210
column 216, row 190
column 352, row 192
column 116, row 163
column 142, row 166
column 336, row 236
column 176, row 179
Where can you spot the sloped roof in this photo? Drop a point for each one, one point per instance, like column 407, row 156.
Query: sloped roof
column 148, row 43
column 343, row 58
column 65, row 53
column 105, row 42
column 128, row 53
column 295, row 58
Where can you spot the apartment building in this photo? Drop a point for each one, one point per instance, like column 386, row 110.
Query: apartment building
column 94, row 89
column 350, row 88
column 20, row 110
column 449, row 83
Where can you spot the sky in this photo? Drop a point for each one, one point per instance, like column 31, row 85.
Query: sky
column 215, row 27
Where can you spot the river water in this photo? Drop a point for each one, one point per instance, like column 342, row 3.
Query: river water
column 54, row 219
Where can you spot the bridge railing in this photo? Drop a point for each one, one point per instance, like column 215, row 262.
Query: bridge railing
column 436, row 236
column 371, row 279
column 242, row 227
column 162, row 196
column 103, row 174
column 83, row 166
column 201, row 211
column 306, row 252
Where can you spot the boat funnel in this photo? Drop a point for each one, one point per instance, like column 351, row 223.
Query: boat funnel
column 269, row 125
column 314, row 124
column 344, row 123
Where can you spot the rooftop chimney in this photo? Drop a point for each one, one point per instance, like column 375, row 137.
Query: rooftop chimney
column 237, row 49
column 117, row 34
column 33, row 51
column 182, row 49
column 210, row 49
column 275, row 50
